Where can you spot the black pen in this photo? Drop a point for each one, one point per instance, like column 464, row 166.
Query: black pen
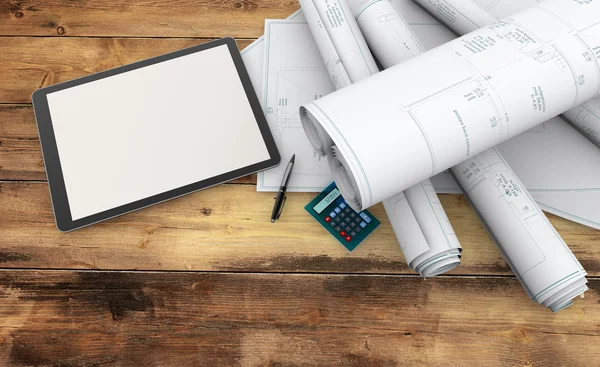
column 280, row 200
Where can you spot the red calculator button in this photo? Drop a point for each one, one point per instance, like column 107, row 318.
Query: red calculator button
column 348, row 238
column 328, row 219
column 343, row 233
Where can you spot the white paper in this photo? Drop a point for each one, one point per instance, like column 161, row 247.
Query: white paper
column 547, row 269
column 430, row 245
column 570, row 190
column 460, row 16
column 519, row 228
column 512, row 76
column 586, row 119
column 387, row 33
column 293, row 74
column 347, row 38
column 253, row 57
column 423, row 230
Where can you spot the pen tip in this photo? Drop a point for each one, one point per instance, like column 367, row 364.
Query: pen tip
column 293, row 159
column 272, row 220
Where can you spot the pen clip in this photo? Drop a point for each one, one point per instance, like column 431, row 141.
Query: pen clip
column 281, row 207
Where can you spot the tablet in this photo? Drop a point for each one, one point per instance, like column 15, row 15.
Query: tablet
column 143, row 133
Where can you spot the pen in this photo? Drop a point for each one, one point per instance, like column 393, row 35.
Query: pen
column 280, row 200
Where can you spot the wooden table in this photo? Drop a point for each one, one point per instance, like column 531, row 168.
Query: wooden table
column 207, row 280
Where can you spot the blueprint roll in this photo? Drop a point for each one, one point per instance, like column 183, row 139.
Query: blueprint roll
column 424, row 232
column 586, row 119
column 543, row 263
column 418, row 219
column 432, row 247
column 387, row 33
column 457, row 100
column 463, row 16
column 536, row 253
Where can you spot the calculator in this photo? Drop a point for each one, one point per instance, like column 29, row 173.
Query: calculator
column 349, row 227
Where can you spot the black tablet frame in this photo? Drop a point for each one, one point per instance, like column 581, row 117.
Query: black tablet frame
column 58, row 193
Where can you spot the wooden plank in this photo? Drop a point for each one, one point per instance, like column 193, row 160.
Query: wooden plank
column 187, row 319
column 29, row 63
column 181, row 18
column 20, row 154
column 227, row 228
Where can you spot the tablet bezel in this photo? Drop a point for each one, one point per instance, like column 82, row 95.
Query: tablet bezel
column 54, row 174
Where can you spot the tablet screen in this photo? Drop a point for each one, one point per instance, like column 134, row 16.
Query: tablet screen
column 156, row 128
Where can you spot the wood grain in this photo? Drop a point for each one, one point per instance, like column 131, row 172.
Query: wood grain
column 149, row 18
column 187, row 319
column 227, row 228
column 245, row 292
column 29, row 63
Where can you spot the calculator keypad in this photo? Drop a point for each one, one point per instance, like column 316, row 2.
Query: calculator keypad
column 349, row 227
column 346, row 221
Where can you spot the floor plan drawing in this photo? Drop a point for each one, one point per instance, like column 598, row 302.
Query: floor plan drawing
column 293, row 74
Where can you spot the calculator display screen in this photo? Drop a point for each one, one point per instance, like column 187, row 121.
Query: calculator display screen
column 334, row 194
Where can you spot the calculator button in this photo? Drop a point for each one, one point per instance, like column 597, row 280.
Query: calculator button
column 353, row 215
column 348, row 210
column 348, row 228
column 365, row 217
column 348, row 238
column 338, row 228
column 357, row 220
column 332, row 214
column 333, row 223
column 357, row 229
column 352, row 224
column 363, row 224
column 343, row 205
column 337, row 210
column 343, row 215
column 347, row 219
column 353, row 233
column 328, row 219
column 337, row 219
column 343, row 233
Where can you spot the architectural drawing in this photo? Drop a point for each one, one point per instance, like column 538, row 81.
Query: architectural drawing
column 486, row 87
column 293, row 74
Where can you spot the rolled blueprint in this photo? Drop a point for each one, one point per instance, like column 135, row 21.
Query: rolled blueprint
column 546, row 268
column 460, row 16
column 430, row 245
column 388, row 35
column 455, row 101
column 463, row 16
column 586, row 119
column 536, row 253
column 423, row 230
column 420, row 223
column 344, row 50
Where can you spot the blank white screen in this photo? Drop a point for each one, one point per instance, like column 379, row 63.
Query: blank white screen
column 153, row 129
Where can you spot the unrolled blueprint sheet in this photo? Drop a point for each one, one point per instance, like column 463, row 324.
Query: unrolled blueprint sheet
column 253, row 56
column 293, row 74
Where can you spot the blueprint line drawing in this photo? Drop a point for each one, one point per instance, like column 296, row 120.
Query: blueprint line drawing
column 512, row 61
column 543, row 263
column 293, row 74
